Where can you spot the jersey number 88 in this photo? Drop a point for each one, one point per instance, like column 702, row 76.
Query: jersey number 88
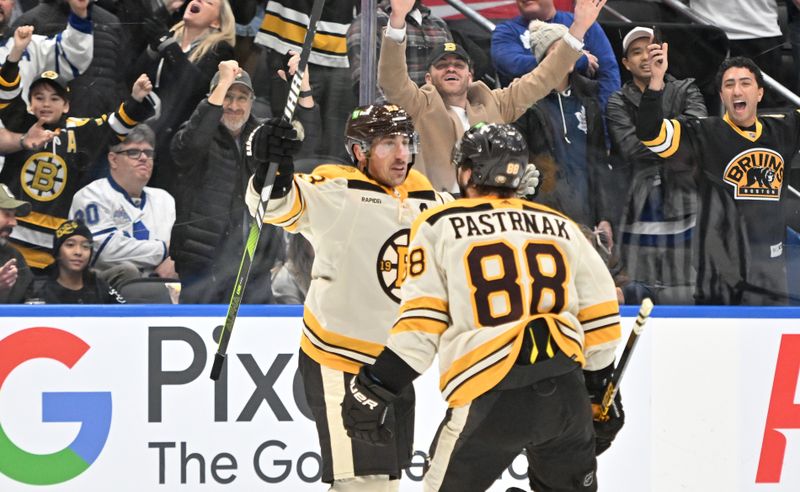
column 497, row 287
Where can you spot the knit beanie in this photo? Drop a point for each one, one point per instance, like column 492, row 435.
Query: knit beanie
column 543, row 35
column 67, row 230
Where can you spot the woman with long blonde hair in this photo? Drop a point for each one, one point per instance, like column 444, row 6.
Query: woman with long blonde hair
column 181, row 61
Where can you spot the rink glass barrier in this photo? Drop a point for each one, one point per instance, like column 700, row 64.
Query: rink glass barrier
column 97, row 398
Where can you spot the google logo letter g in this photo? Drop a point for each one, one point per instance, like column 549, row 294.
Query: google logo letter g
column 92, row 410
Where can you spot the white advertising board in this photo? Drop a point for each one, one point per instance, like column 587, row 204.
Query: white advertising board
column 98, row 399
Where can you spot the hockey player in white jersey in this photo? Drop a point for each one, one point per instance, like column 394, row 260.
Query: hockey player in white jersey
column 515, row 301
column 357, row 218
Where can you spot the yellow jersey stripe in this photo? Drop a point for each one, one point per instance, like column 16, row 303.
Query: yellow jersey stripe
column 124, row 116
column 426, row 303
column 676, row 141
column 42, row 220
column 12, row 84
column 603, row 335
column 596, row 311
column 35, row 258
column 336, row 341
column 296, row 34
column 298, row 207
column 660, row 139
column 478, row 354
column 424, row 325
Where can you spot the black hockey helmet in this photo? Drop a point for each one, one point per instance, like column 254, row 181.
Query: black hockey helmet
column 496, row 153
column 367, row 123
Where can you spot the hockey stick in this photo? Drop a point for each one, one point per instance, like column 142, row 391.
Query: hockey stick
column 255, row 227
column 613, row 385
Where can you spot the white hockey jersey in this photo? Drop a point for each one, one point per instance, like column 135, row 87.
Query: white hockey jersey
column 123, row 229
column 68, row 53
column 359, row 231
column 478, row 271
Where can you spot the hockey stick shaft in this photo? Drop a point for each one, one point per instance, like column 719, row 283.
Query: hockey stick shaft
column 613, row 385
column 255, row 227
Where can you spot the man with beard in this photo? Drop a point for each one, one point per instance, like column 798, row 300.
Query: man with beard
column 15, row 276
column 212, row 222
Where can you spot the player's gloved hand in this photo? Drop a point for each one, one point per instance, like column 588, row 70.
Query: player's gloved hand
column 605, row 429
column 529, row 183
column 155, row 32
column 366, row 409
column 276, row 141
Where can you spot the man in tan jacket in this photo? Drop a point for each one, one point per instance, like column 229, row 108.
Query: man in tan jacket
column 450, row 102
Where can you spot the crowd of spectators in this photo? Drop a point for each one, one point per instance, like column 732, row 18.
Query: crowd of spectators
column 126, row 122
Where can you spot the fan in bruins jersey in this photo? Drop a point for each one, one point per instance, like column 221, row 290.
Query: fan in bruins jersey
column 515, row 301
column 49, row 176
column 741, row 168
column 357, row 219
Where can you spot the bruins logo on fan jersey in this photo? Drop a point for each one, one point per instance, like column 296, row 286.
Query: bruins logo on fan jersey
column 44, row 176
column 756, row 174
column 392, row 264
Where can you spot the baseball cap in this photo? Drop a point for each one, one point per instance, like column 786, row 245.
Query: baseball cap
column 634, row 34
column 8, row 202
column 243, row 78
column 55, row 81
column 449, row 49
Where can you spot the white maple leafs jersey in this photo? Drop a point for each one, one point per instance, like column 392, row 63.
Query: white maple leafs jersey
column 125, row 229
column 479, row 270
column 359, row 231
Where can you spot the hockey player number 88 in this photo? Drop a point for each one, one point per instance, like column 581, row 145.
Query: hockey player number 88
column 497, row 287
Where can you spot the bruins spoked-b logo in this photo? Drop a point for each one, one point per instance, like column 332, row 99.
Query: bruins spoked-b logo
column 756, row 174
column 44, row 176
column 392, row 262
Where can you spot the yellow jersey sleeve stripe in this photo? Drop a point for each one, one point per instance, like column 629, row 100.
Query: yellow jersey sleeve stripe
column 426, row 303
column 423, row 325
column 596, row 311
column 298, row 207
column 676, row 141
column 10, row 85
column 124, row 116
column 604, row 335
column 660, row 139
column 4, row 105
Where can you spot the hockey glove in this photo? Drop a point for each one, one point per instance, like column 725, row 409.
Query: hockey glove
column 155, row 32
column 276, row 141
column 366, row 409
column 605, row 429
column 530, row 182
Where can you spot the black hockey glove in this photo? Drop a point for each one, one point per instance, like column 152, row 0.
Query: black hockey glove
column 366, row 410
column 155, row 32
column 605, row 429
column 275, row 141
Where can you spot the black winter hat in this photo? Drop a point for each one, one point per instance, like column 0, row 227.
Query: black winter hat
column 67, row 230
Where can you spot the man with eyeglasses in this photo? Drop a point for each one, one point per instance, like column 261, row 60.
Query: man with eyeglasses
column 212, row 223
column 131, row 223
